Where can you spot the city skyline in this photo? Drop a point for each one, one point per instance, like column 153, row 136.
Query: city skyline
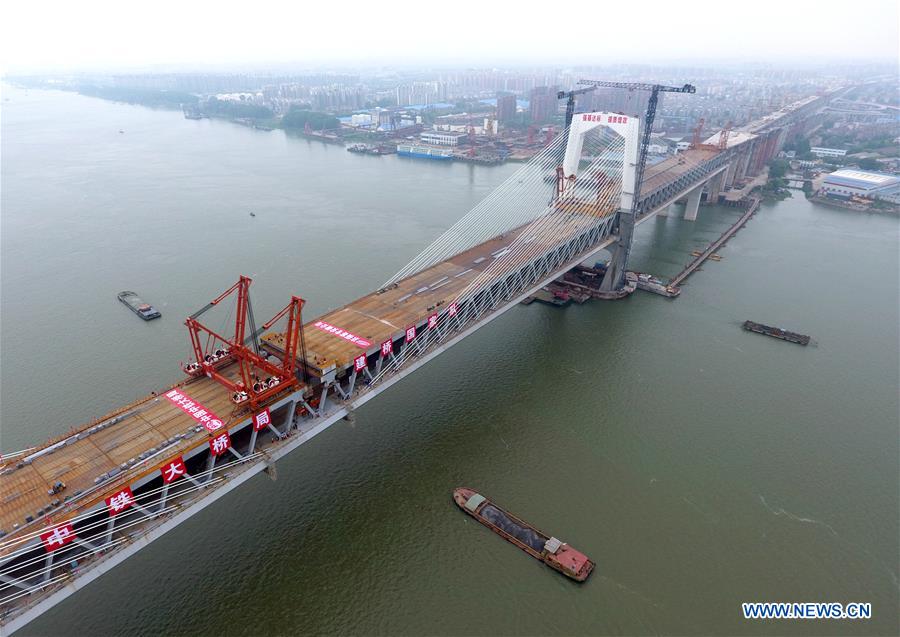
column 99, row 35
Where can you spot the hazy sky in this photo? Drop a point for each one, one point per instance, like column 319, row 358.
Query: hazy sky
column 96, row 34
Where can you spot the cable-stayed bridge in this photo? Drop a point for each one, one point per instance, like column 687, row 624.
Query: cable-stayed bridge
column 75, row 507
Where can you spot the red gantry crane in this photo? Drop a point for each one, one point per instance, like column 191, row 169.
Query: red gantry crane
column 259, row 378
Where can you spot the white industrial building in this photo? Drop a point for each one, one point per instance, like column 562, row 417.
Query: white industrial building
column 844, row 184
column 827, row 152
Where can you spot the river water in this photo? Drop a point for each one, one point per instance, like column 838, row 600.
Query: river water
column 699, row 465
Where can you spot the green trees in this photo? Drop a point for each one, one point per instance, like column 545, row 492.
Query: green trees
column 228, row 108
column 802, row 146
column 868, row 163
column 297, row 118
column 778, row 168
column 145, row 97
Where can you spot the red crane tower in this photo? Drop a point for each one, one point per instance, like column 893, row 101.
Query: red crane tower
column 723, row 136
column 698, row 130
column 259, row 379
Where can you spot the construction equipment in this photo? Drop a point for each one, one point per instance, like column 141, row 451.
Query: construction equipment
column 259, row 379
column 698, row 131
column 723, row 136
column 616, row 272
column 489, row 123
column 570, row 104
column 655, row 90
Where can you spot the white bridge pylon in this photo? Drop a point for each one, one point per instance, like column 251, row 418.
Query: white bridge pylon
column 627, row 127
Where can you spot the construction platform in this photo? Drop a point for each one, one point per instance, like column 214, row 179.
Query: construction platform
column 125, row 445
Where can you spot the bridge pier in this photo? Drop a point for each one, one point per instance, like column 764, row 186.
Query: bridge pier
column 731, row 172
column 714, row 188
column 693, row 203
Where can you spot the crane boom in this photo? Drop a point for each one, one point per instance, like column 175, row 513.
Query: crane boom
column 570, row 104
column 615, row 274
column 655, row 90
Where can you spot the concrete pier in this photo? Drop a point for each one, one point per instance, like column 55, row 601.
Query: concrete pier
column 693, row 203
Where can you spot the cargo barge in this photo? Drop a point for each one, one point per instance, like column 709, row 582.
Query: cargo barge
column 136, row 305
column 369, row 149
column 776, row 332
column 551, row 551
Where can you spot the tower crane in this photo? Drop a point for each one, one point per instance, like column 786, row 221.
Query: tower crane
column 615, row 274
column 570, row 104
column 655, row 90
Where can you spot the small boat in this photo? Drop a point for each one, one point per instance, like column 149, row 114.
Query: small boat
column 252, row 214
column 136, row 305
column 554, row 553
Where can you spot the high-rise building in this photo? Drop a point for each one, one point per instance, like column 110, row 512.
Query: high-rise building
column 506, row 107
column 543, row 104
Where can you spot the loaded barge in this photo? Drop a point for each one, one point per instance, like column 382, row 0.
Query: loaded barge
column 776, row 332
column 136, row 305
column 551, row 551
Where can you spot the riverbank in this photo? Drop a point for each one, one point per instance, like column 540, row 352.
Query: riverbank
column 856, row 207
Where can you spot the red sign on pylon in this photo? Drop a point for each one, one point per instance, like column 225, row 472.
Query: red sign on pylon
column 120, row 501
column 219, row 444
column 173, row 470
column 262, row 420
column 58, row 537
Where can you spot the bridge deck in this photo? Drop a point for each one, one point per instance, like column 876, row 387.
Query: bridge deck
column 379, row 316
column 669, row 170
column 149, row 423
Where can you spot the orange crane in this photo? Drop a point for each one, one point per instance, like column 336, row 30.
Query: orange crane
column 259, row 378
column 723, row 136
column 698, row 130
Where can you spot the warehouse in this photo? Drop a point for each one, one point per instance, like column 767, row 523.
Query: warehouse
column 844, row 184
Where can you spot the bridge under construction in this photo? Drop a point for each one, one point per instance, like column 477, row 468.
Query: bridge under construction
column 75, row 507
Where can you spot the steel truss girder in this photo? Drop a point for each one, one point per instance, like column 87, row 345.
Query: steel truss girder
column 510, row 285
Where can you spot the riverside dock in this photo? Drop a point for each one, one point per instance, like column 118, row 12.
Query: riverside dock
column 691, row 267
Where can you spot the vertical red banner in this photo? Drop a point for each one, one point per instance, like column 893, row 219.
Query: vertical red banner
column 58, row 537
column 219, row 444
column 120, row 501
column 262, row 420
column 173, row 470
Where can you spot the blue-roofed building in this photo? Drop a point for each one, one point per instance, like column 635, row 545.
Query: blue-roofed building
column 847, row 183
